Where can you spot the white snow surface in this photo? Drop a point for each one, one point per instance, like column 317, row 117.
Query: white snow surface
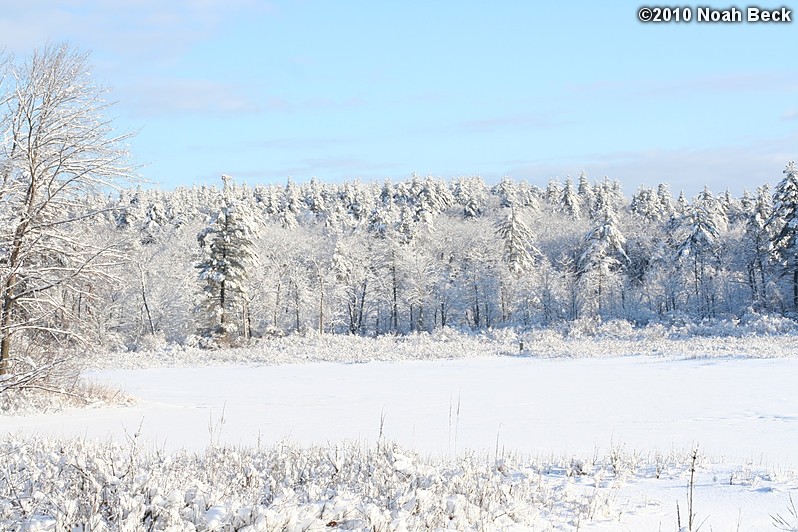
column 742, row 409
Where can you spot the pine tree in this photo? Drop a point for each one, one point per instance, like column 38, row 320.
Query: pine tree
column 585, row 192
column 229, row 253
column 757, row 240
column 471, row 193
column 291, row 204
column 570, row 199
column 603, row 254
column 646, row 204
column 698, row 238
column 665, row 200
column 784, row 224
column 554, row 192
column 519, row 252
column 507, row 193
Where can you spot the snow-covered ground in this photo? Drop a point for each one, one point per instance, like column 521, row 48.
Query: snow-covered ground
column 744, row 409
column 642, row 412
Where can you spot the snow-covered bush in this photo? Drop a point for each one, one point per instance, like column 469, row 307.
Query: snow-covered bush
column 90, row 485
column 49, row 382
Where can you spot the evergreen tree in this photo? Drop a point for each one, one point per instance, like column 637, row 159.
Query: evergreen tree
column 570, row 199
column 507, row 193
column 229, row 253
column 471, row 193
column 757, row 242
column 698, row 238
column 291, row 204
column 519, row 252
column 554, row 193
column 603, row 254
column 646, row 204
column 665, row 200
column 784, row 224
column 681, row 204
column 585, row 192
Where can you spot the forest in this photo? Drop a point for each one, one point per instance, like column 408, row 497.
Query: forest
column 223, row 264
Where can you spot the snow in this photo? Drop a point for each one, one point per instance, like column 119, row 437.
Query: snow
column 610, row 437
column 740, row 408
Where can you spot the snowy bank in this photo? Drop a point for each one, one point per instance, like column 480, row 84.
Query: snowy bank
column 577, row 341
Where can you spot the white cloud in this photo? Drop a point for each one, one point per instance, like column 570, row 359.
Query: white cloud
column 122, row 30
column 167, row 97
column 750, row 82
column 514, row 122
column 735, row 167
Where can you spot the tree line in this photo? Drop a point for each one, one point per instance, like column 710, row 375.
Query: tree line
column 238, row 261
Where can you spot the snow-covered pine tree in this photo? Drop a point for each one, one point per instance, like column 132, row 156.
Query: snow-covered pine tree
column 585, row 192
column 646, row 204
column 570, row 199
column 520, row 256
column 554, row 193
column 472, row 194
column 603, row 254
column 731, row 208
column 665, row 200
column 229, row 253
column 291, row 204
column 315, row 198
column 698, row 238
column 385, row 214
column 520, row 253
column 784, row 224
column 681, row 204
column 506, row 192
column 757, row 243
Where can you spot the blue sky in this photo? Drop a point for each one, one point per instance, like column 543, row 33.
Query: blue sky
column 369, row 90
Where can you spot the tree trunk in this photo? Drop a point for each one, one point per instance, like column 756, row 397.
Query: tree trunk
column 395, row 306
column 222, row 309
column 362, row 304
column 795, row 288
column 276, row 305
column 296, row 307
column 247, row 321
column 476, row 306
column 8, row 289
column 5, row 326
column 321, row 305
column 146, row 306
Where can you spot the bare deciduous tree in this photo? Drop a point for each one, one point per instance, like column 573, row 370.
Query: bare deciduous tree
column 57, row 146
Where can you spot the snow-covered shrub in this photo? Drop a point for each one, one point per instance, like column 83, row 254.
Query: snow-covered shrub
column 77, row 484
column 47, row 382
column 621, row 329
column 581, row 327
column 767, row 324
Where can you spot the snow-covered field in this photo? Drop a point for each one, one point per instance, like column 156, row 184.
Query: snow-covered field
column 550, row 442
